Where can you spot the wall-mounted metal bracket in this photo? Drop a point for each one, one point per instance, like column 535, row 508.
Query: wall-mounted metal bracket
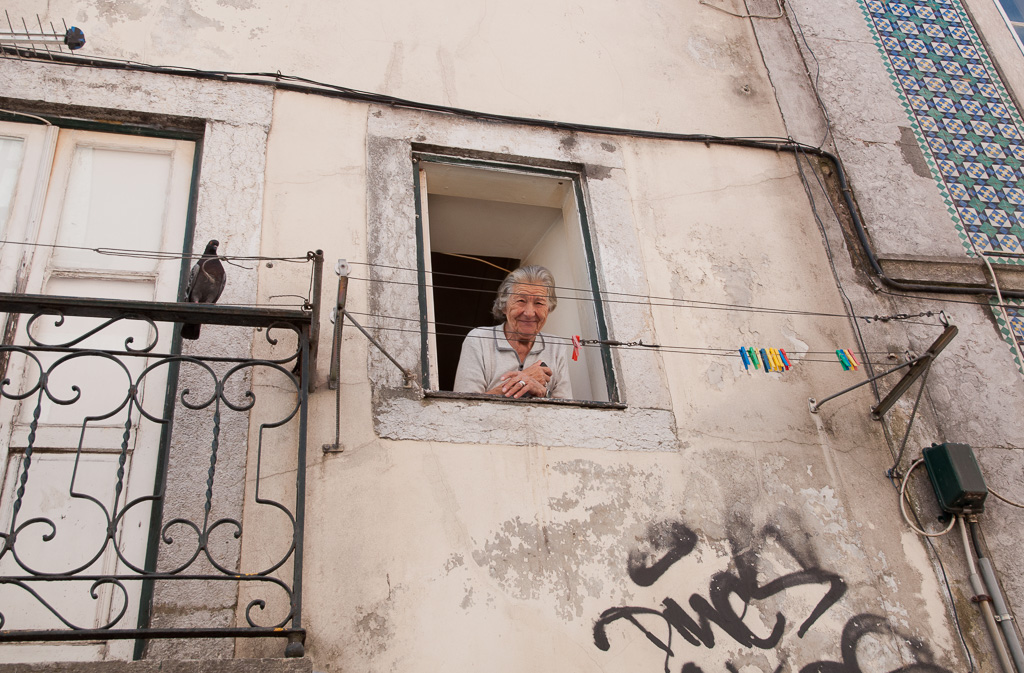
column 917, row 365
column 338, row 315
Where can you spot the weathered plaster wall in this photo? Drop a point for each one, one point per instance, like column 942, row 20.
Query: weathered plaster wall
column 652, row 65
column 758, row 535
column 777, row 526
column 975, row 382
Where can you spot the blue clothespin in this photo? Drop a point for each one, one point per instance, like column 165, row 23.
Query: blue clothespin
column 764, row 359
column 842, row 360
column 746, row 360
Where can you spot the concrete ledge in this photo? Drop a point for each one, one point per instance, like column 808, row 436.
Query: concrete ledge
column 959, row 272
column 303, row 665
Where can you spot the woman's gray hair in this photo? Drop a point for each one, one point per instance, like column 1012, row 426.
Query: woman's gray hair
column 524, row 275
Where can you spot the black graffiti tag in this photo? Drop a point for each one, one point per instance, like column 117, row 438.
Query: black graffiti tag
column 670, row 541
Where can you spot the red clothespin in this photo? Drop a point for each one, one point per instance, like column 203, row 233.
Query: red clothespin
column 785, row 358
column 576, row 343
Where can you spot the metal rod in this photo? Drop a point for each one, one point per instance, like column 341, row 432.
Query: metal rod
column 334, row 380
column 314, row 306
column 211, row 314
column 342, row 270
column 815, row 405
column 919, row 368
column 296, row 645
column 408, row 376
column 131, row 634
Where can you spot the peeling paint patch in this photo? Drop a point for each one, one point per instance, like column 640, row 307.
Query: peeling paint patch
column 571, row 559
column 912, row 154
column 454, row 561
column 373, row 632
column 121, row 10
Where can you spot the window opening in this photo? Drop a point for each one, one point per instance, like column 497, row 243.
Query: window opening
column 478, row 220
column 1013, row 12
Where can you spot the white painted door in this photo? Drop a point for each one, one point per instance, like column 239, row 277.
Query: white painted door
column 111, row 224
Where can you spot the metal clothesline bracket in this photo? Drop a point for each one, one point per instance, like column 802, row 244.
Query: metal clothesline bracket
column 918, row 366
column 338, row 316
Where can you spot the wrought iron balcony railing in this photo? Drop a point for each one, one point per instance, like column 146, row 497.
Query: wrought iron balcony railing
column 98, row 517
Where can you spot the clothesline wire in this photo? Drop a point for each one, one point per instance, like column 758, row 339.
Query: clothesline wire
column 682, row 350
column 567, row 340
column 658, row 301
column 153, row 254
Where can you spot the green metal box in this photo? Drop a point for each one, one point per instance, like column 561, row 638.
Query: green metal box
column 956, row 478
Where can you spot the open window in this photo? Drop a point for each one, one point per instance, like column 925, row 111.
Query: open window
column 477, row 220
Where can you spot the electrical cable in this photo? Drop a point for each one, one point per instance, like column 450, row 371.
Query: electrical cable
column 746, row 16
column 682, row 350
column 651, row 300
column 586, row 342
column 831, row 261
column 814, row 80
column 945, row 581
column 1004, row 498
column 904, row 498
column 23, row 114
column 475, row 259
column 309, row 86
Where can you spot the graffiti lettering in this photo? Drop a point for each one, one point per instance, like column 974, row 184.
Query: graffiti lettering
column 731, row 593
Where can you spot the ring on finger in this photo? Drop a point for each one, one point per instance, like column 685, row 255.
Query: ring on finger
column 522, row 383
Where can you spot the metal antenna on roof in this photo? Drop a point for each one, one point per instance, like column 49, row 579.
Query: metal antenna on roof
column 73, row 38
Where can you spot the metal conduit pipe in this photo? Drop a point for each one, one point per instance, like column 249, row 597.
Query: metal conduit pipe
column 984, row 602
column 992, row 585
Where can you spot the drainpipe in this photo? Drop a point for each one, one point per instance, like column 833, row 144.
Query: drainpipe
column 1002, row 613
column 985, row 602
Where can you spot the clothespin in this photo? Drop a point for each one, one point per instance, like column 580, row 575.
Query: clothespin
column 753, row 358
column 576, row 343
column 842, row 360
column 785, row 358
column 771, row 359
column 853, row 361
column 778, row 360
column 767, row 363
column 746, row 360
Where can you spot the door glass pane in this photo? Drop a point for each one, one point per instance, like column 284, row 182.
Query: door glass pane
column 114, row 199
column 12, row 150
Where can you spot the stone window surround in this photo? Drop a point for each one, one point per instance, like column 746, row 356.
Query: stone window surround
column 647, row 423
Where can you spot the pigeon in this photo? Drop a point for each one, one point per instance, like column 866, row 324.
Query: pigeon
column 205, row 284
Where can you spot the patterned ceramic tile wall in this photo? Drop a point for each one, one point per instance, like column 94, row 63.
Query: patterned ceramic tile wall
column 1015, row 329
column 968, row 127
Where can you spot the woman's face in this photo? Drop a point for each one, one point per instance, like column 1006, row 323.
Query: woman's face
column 527, row 309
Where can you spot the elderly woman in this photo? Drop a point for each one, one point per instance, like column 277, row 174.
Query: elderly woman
column 515, row 359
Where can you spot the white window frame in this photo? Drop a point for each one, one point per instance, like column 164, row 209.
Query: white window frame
column 580, row 309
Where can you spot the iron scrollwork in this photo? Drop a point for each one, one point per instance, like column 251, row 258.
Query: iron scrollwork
column 92, row 412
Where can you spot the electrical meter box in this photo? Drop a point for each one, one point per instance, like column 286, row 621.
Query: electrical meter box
column 956, row 478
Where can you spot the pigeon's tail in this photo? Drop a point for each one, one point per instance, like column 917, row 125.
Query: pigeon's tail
column 190, row 330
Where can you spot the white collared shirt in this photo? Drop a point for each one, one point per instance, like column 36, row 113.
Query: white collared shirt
column 487, row 354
